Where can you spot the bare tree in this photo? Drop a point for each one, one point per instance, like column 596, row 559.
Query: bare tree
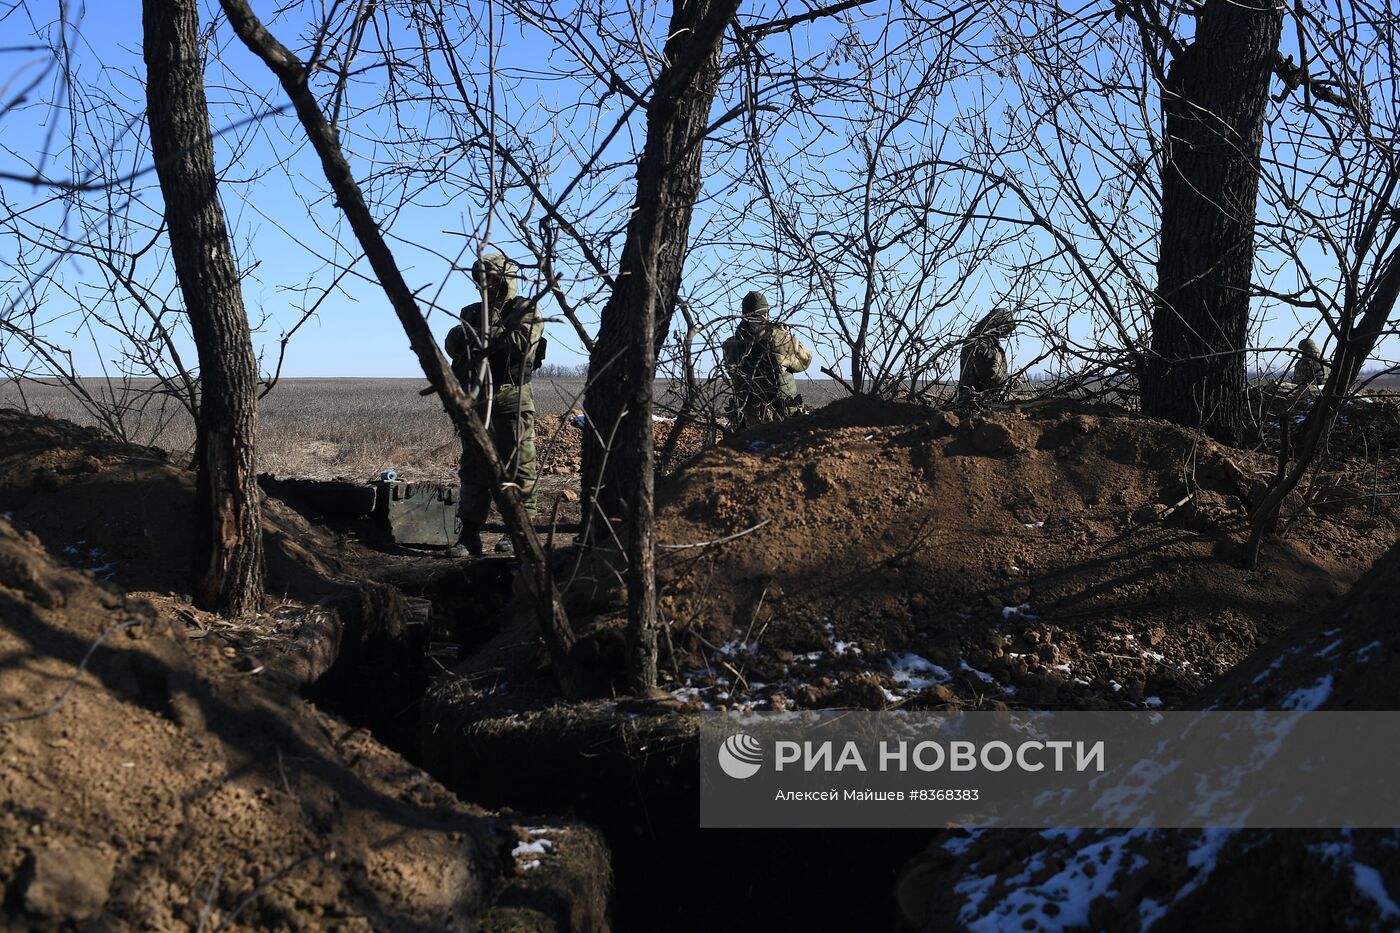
column 668, row 181
column 1333, row 189
column 292, row 74
column 228, row 556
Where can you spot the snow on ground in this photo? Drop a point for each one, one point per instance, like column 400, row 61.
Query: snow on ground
column 528, row 855
column 915, row 673
column 1057, row 902
column 1202, row 859
column 1307, row 699
column 1367, row 880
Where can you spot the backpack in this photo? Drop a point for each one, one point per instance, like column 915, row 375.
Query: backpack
column 757, row 374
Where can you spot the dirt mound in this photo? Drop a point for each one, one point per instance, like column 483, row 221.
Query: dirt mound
column 1144, row 879
column 876, row 554
column 161, row 770
column 1348, row 658
column 559, row 442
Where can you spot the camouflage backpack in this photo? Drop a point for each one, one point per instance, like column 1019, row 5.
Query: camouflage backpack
column 757, row 374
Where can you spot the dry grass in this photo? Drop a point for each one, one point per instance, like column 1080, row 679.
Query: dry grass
column 313, row 428
column 318, row 428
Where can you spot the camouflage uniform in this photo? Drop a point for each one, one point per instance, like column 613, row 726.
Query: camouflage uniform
column 760, row 360
column 1310, row 369
column 512, row 343
column 984, row 372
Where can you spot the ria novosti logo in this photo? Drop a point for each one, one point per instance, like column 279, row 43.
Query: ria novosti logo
column 740, row 756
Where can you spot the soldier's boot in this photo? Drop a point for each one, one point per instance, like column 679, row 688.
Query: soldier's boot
column 468, row 544
column 505, row 545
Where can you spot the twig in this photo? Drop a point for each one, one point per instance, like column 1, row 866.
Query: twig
column 72, row 681
column 725, row 539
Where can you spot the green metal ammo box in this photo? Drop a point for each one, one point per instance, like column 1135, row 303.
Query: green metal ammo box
column 418, row 514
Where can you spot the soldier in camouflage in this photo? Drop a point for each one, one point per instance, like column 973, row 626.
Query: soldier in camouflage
column 984, row 373
column 495, row 351
column 1310, row 370
column 760, row 360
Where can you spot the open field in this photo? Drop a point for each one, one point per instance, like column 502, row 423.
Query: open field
column 321, row 428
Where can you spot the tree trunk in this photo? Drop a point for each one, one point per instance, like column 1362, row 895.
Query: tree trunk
column 668, row 182
column 642, row 622
column 1214, row 100
column 228, row 555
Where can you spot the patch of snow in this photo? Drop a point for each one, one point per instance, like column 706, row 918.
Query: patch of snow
column 916, row 673
column 980, row 675
column 1307, row 699
column 1363, row 654
column 1202, row 859
column 1072, row 889
column 1328, row 649
column 1154, row 655
column 1366, row 879
column 537, row 847
column 960, row 844
column 1370, row 883
column 1274, row 665
column 1152, row 702
column 1035, row 524
column 1115, row 685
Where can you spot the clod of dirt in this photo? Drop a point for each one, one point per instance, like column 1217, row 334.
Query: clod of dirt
column 991, row 438
column 943, row 423
column 66, row 884
column 815, row 481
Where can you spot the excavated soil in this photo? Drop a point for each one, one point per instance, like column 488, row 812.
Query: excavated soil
column 873, row 555
column 160, row 768
column 878, row 555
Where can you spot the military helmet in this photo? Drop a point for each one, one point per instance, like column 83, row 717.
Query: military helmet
column 494, row 265
column 1310, row 347
column 999, row 322
column 755, row 307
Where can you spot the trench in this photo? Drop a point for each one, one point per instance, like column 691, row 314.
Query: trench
column 668, row 874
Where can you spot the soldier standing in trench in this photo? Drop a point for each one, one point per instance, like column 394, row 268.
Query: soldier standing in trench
column 498, row 364
column 1311, row 369
column 760, row 360
column 984, row 375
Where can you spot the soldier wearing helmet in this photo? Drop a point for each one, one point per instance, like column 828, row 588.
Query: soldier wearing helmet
column 494, row 351
column 984, row 373
column 1310, row 369
column 760, row 360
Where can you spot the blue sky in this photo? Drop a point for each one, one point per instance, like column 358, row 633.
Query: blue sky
column 295, row 250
